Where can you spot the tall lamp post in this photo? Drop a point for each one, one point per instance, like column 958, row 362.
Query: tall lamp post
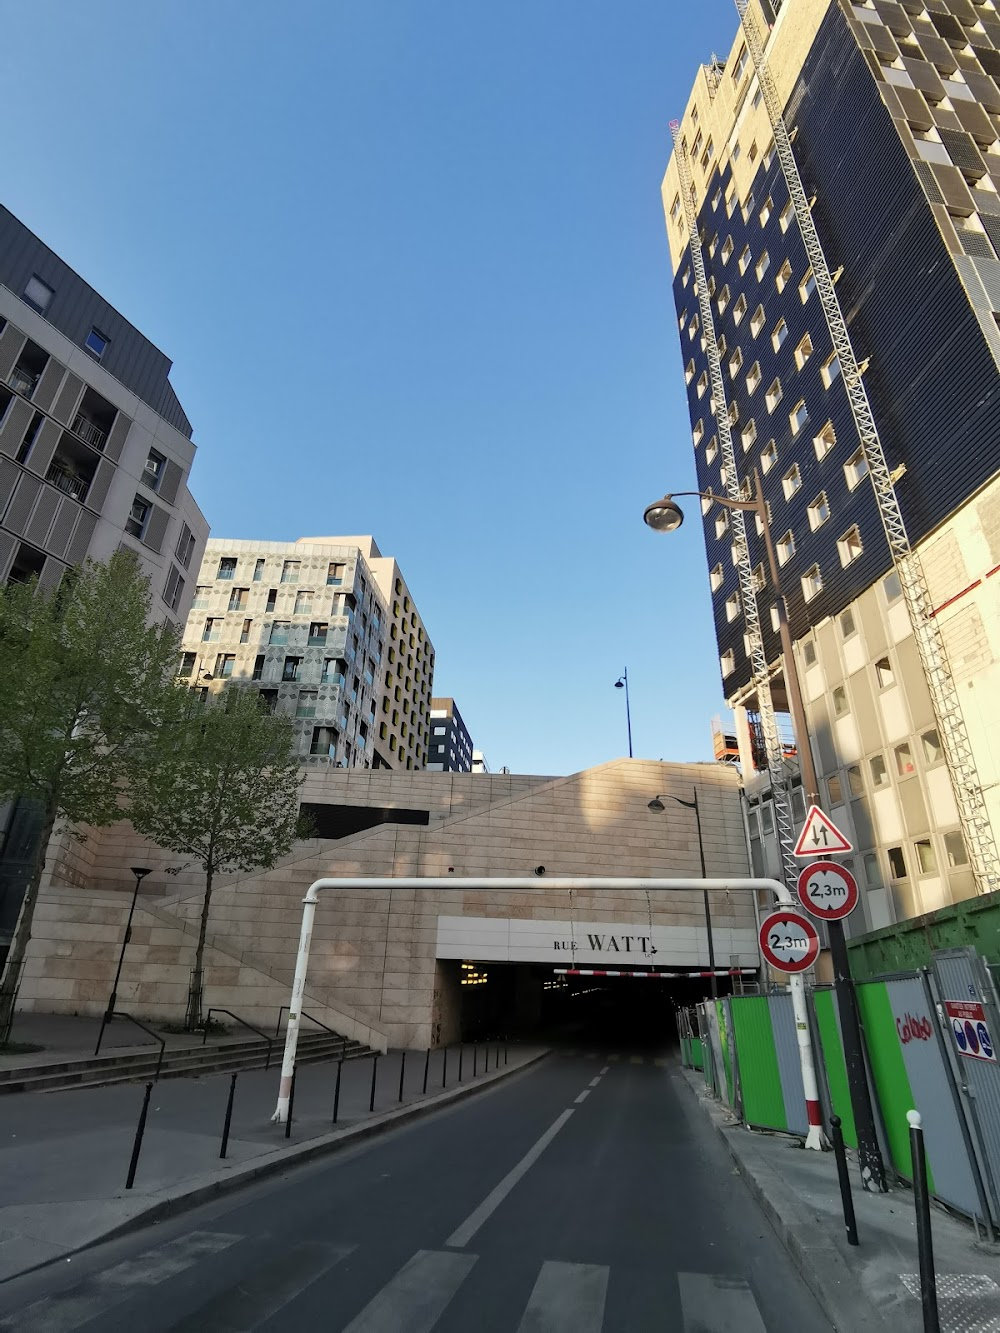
column 657, row 804
column 666, row 516
column 622, row 683
column 140, row 873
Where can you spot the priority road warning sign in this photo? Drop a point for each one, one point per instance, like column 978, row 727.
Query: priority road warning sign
column 820, row 836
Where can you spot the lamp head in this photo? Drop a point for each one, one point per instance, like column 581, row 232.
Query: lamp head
column 619, row 683
column 663, row 515
column 141, row 872
column 656, row 804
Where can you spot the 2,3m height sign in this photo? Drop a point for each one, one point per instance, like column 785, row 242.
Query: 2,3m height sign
column 820, row 836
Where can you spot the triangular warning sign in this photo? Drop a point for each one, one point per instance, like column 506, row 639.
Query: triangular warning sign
column 820, row 836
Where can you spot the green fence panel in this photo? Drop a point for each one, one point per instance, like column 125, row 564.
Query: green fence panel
column 760, row 1077
column 825, row 1007
column 697, row 1058
column 889, row 1071
column 727, row 1059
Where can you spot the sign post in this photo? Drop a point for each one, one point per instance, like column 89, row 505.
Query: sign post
column 789, row 943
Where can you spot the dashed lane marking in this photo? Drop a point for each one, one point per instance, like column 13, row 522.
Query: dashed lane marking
column 583, row 1096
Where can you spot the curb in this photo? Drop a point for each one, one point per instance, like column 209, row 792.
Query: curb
column 201, row 1189
column 818, row 1260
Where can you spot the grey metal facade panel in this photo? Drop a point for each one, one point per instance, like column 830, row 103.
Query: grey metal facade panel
column 52, row 572
column 8, row 544
column 156, row 527
column 80, row 541
column 48, row 385
column 42, row 515
column 68, row 399
column 170, row 482
column 99, row 487
column 76, row 308
column 19, row 414
column 11, row 342
column 44, row 448
column 9, row 473
column 117, row 436
column 18, row 513
column 62, row 527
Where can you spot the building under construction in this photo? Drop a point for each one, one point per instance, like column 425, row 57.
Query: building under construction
column 832, row 205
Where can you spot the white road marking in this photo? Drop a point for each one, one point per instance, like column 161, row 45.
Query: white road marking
column 566, row 1298
column 594, row 1081
column 583, row 1095
column 713, row 1303
column 96, row 1295
column 461, row 1237
column 414, row 1300
column 605, row 1069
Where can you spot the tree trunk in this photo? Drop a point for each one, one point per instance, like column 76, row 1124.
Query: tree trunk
column 22, row 934
column 193, row 1018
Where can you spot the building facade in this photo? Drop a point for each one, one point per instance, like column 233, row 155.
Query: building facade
column 325, row 629
column 450, row 748
column 894, row 116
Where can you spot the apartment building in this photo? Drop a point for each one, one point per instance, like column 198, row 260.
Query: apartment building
column 326, row 630
column 894, row 115
column 450, row 748
column 95, row 449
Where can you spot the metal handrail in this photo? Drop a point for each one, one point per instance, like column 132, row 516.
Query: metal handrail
column 120, row 1013
column 66, row 482
column 23, row 382
column 319, row 1023
column 89, row 431
column 236, row 1018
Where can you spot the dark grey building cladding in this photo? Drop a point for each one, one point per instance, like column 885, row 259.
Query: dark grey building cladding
column 75, row 309
column 932, row 379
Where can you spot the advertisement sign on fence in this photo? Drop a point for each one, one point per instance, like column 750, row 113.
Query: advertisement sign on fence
column 970, row 1030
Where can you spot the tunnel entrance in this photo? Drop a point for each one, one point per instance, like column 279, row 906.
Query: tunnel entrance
column 532, row 1001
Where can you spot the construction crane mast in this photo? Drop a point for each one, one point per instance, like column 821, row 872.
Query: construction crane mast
column 952, row 728
column 774, row 750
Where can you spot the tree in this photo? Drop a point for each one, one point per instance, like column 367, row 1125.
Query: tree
column 84, row 680
column 219, row 785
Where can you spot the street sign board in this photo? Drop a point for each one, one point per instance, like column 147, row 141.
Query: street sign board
column 827, row 890
column 970, row 1030
column 788, row 942
column 820, row 836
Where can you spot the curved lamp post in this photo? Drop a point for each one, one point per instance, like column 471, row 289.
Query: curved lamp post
column 656, row 804
column 140, row 873
column 622, row 683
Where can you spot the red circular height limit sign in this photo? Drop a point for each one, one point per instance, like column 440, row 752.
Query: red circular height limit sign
column 788, row 942
column 827, row 890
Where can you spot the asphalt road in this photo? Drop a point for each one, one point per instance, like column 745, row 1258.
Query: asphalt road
column 586, row 1194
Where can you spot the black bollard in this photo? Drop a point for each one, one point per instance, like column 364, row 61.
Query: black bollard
column 229, row 1116
column 461, row 1052
column 427, row 1066
column 505, row 1053
column 402, row 1073
column 336, row 1091
column 475, row 1059
column 925, row 1244
column 140, row 1129
column 291, row 1103
column 846, row 1198
column 371, row 1100
column 444, row 1069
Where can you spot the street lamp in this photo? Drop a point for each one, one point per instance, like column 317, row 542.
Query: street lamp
column 622, row 683
column 665, row 515
column 140, row 873
column 657, row 804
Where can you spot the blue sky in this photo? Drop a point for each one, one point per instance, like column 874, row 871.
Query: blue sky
column 409, row 261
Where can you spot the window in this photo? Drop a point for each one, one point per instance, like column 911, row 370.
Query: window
column 258, row 571
column 804, row 351
column 290, row 669
column 324, row 741
column 954, row 849
column 135, row 524
column 173, row 589
column 856, row 469
column 807, row 286
column 767, row 818
column 727, row 662
column 798, row 416
column 849, row 546
column 96, row 343
column 745, row 259
column 152, row 473
column 722, row 523
column 783, row 276
column 688, row 377
column 708, row 155
column 855, row 782
column 717, row 197
column 786, row 215
column 830, row 369
column 245, row 631
column 279, row 632
column 187, row 664
column 819, row 511
column 227, row 567
column 303, row 602
column 306, row 703
column 840, row 701
column 715, row 578
column 768, row 456
column 892, row 587
column 834, row 789
column 773, row 395
column 930, row 743
column 675, row 207
column 735, row 361
column 290, row 571
column 698, row 432
column 786, row 547
column 753, row 377
column 825, row 440
column 766, row 210
column 702, row 384
column 763, row 264
column 739, row 69
column 732, row 606
column 884, row 673
column 238, row 598
column 749, row 434
column 809, row 652
column 812, row 583
column 873, row 876
column 897, row 863
column 926, row 860
column 224, row 664
column 904, row 760
column 780, row 334
column 847, row 625
column 318, row 631
column 879, row 772
column 212, row 631
column 201, row 596
column 272, row 599
column 757, row 320
column 727, row 249
column 791, row 481
column 740, row 309
column 722, row 300
column 38, row 294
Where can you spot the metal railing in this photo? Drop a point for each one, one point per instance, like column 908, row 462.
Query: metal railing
column 319, row 1023
column 67, row 483
column 22, row 382
column 89, row 431
column 120, row 1013
column 236, row 1019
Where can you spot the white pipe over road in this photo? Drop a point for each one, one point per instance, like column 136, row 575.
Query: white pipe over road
column 524, row 885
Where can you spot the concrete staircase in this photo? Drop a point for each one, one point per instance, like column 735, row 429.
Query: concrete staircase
column 136, row 1066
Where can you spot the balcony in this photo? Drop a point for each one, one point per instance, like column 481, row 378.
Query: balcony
column 66, row 482
column 332, row 678
column 22, row 381
column 89, row 431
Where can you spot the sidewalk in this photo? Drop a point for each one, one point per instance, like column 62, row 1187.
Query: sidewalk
column 872, row 1286
column 64, row 1156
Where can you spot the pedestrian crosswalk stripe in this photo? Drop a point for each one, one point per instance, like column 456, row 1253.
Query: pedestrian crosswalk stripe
column 96, row 1295
column 266, row 1291
column 713, row 1303
column 567, row 1298
column 413, row 1300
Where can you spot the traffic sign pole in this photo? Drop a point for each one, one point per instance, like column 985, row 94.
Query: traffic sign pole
column 790, row 944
